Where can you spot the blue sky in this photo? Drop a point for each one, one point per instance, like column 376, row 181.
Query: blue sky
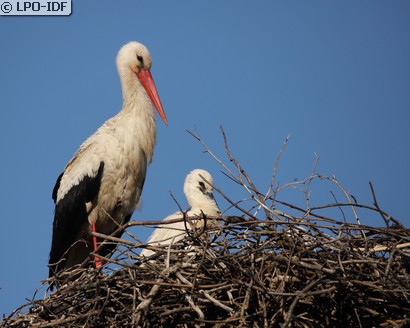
column 333, row 74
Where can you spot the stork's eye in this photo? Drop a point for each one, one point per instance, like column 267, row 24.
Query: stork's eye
column 202, row 184
column 140, row 59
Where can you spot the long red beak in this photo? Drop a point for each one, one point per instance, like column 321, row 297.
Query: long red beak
column 148, row 83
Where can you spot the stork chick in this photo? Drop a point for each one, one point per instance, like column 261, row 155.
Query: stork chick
column 198, row 188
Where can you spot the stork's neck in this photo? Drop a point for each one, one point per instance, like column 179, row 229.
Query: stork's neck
column 131, row 86
column 208, row 207
column 137, row 112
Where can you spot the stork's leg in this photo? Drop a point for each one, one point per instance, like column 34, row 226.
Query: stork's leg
column 97, row 259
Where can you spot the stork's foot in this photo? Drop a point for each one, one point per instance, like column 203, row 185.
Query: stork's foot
column 97, row 259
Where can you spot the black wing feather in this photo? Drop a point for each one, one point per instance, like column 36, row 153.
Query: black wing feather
column 70, row 215
column 56, row 187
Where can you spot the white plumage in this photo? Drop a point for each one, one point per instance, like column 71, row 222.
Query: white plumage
column 101, row 185
column 198, row 188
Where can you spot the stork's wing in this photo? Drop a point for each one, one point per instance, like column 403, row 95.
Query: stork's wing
column 166, row 234
column 70, row 211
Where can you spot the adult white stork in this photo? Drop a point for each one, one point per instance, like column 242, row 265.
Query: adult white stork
column 198, row 188
column 101, row 185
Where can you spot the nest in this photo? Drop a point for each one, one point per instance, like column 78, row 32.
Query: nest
column 276, row 264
